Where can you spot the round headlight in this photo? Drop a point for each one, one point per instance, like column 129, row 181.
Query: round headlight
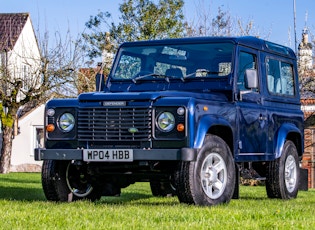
column 166, row 122
column 66, row 122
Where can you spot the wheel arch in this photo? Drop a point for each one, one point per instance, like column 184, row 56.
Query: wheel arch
column 216, row 126
column 288, row 132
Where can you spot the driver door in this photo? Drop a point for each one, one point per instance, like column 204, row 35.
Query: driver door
column 251, row 115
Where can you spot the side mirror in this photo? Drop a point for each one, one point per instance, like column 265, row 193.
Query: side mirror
column 251, row 79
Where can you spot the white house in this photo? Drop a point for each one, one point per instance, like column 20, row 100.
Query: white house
column 20, row 56
column 30, row 135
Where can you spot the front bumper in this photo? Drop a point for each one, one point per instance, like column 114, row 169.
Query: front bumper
column 184, row 154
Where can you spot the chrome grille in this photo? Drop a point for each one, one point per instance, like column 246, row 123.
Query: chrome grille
column 114, row 124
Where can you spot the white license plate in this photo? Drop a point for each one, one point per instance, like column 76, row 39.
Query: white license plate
column 113, row 155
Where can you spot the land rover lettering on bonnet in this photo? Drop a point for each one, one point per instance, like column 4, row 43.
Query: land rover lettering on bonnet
column 186, row 115
column 113, row 103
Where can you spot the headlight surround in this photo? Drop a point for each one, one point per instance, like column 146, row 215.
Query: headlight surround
column 66, row 122
column 165, row 122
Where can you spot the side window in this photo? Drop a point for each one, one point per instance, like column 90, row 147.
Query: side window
column 246, row 61
column 280, row 79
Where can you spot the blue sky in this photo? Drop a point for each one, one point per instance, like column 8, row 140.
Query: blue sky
column 271, row 17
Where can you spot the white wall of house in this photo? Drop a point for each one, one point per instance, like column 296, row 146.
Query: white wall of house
column 24, row 58
column 29, row 137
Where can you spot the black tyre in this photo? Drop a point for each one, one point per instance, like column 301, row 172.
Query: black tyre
column 64, row 181
column 182, row 183
column 48, row 180
column 210, row 180
column 162, row 188
column 283, row 174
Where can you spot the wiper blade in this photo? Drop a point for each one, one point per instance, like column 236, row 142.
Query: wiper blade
column 167, row 78
column 142, row 76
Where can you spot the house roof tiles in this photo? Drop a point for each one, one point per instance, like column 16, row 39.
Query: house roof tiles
column 11, row 25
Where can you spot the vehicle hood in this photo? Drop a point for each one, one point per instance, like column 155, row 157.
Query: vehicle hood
column 146, row 96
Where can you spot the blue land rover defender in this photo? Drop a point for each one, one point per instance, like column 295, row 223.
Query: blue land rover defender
column 184, row 115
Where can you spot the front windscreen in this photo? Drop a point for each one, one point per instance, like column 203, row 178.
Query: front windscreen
column 181, row 61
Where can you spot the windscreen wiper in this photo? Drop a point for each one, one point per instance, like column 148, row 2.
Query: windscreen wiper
column 142, row 76
column 167, row 78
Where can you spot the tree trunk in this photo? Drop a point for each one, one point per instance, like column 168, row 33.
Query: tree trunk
column 6, row 150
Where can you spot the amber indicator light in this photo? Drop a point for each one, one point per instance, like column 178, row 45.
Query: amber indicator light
column 180, row 127
column 50, row 128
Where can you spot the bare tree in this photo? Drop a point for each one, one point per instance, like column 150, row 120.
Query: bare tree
column 55, row 74
column 221, row 24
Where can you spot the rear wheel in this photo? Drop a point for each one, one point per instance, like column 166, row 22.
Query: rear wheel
column 283, row 174
column 210, row 180
column 64, row 181
column 162, row 188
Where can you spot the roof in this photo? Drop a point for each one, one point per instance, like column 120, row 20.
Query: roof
column 27, row 108
column 248, row 41
column 11, row 26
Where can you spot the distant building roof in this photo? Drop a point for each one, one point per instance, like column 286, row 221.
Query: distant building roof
column 11, row 25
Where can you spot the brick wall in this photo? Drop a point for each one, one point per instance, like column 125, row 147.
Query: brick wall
column 309, row 155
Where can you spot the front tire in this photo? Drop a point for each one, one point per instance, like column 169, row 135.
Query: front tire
column 48, row 180
column 64, row 181
column 210, row 180
column 283, row 174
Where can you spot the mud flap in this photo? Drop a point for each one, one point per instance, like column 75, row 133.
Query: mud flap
column 303, row 182
column 236, row 194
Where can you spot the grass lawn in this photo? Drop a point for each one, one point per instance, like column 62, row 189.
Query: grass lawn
column 23, row 206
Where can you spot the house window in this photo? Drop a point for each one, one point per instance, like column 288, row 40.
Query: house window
column 39, row 137
column 25, row 77
column 2, row 58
